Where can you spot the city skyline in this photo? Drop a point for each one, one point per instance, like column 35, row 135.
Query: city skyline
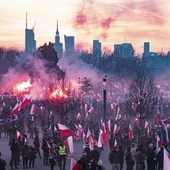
column 87, row 20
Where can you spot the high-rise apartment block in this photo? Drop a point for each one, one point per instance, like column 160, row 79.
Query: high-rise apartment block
column 69, row 45
column 97, row 48
column 30, row 43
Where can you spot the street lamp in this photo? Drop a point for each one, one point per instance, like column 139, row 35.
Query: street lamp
column 104, row 98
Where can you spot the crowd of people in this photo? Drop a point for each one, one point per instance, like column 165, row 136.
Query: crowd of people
column 139, row 153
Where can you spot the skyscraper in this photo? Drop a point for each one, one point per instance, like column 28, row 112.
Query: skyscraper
column 146, row 47
column 57, row 45
column 30, row 43
column 69, row 45
column 97, row 48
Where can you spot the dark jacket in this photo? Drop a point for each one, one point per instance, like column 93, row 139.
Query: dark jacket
column 114, row 156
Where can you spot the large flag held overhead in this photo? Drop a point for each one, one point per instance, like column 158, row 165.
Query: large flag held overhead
column 20, row 105
column 65, row 131
column 166, row 159
column 74, row 165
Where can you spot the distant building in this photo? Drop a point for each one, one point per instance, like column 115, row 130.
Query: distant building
column 97, row 48
column 146, row 47
column 69, row 45
column 30, row 43
column 57, row 45
column 124, row 50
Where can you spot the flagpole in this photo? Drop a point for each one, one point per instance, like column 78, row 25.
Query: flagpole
column 104, row 98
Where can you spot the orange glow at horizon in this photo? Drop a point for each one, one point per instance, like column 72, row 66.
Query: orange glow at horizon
column 110, row 21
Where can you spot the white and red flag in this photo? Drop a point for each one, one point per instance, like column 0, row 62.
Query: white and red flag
column 108, row 126
column 91, row 110
column 20, row 105
column 33, row 109
column 166, row 160
column 19, row 135
column 137, row 121
column 116, row 144
column 65, row 131
column 158, row 143
column 147, row 125
column 79, row 117
column 130, row 133
column 68, row 142
column 74, row 165
column 116, row 129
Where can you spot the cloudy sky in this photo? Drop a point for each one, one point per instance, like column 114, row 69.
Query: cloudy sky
column 109, row 21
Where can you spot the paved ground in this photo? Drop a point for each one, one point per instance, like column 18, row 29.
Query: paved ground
column 6, row 154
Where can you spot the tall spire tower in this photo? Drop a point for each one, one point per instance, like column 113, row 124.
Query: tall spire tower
column 57, row 45
column 57, row 36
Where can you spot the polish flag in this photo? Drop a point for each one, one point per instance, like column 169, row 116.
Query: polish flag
column 65, row 131
column 137, row 121
column 19, row 135
column 91, row 110
column 158, row 116
column 79, row 117
column 33, row 109
column 49, row 148
column 158, row 143
column 98, row 97
column 108, row 126
column 20, row 105
column 100, row 139
column 118, row 117
column 112, row 105
column 147, row 125
column 116, row 144
column 50, row 114
column 85, row 139
column 116, row 129
column 166, row 158
column 25, row 102
column 130, row 133
column 74, row 165
column 68, row 142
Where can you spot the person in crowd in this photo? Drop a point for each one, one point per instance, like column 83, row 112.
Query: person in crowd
column 25, row 155
column 45, row 149
column 2, row 163
column 159, row 157
column 14, row 153
column 151, row 157
column 140, row 157
column 121, row 156
column 88, row 152
column 114, row 159
column 133, row 152
column 128, row 158
column 52, row 156
column 32, row 157
column 95, row 154
column 111, row 142
column 62, row 155
column 84, row 161
column 37, row 146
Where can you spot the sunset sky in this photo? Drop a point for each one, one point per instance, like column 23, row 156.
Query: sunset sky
column 109, row 21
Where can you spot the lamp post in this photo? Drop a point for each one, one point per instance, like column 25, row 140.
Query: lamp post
column 104, row 98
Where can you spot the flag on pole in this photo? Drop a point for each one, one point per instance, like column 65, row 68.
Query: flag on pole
column 137, row 121
column 33, row 109
column 74, row 165
column 116, row 129
column 79, row 117
column 68, row 142
column 158, row 143
column 166, row 163
column 65, row 131
column 130, row 133
column 19, row 135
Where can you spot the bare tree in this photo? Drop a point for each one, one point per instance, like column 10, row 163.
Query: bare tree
column 143, row 97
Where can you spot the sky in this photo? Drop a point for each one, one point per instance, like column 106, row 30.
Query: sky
column 109, row 21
